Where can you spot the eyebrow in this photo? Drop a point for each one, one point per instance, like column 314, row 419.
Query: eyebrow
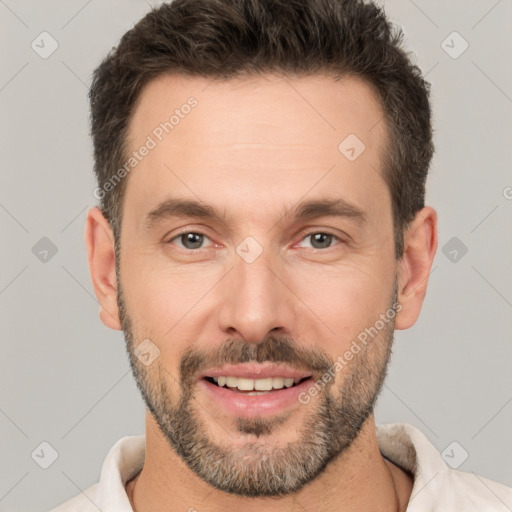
column 174, row 207
column 336, row 207
column 305, row 210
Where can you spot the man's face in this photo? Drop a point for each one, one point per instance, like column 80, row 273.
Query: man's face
column 258, row 292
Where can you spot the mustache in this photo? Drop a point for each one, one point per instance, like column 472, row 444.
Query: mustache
column 273, row 349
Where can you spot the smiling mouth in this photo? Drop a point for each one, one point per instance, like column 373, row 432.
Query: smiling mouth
column 255, row 386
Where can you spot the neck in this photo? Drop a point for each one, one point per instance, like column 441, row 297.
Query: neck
column 360, row 479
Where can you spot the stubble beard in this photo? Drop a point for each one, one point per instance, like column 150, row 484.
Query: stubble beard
column 260, row 468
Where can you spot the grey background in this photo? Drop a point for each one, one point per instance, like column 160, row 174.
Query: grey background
column 64, row 377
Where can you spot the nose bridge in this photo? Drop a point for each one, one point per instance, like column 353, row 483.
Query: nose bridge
column 256, row 301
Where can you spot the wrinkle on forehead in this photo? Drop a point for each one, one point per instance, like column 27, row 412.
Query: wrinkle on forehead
column 259, row 138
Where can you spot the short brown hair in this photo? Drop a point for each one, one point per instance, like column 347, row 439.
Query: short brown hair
column 230, row 38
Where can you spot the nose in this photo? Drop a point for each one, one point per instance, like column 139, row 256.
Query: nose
column 256, row 299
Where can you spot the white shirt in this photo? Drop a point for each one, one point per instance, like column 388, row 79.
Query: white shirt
column 437, row 487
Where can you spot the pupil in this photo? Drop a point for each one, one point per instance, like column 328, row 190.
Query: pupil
column 318, row 237
column 192, row 240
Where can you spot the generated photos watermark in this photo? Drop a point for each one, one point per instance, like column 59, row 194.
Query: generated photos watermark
column 364, row 338
column 152, row 140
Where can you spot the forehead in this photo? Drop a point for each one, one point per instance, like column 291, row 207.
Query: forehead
column 255, row 135
column 325, row 105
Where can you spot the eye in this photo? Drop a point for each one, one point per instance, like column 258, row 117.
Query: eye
column 321, row 240
column 189, row 240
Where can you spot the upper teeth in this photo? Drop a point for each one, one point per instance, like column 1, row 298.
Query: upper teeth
column 258, row 384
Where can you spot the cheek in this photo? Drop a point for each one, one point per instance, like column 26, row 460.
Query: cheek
column 159, row 296
column 345, row 299
column 167, row 306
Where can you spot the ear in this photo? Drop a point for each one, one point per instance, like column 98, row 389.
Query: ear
column 420, row 245
column 99, row 240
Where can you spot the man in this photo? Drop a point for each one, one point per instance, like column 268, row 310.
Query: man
column 261, row 169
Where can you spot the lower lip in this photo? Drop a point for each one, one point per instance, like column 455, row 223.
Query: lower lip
column 252, row 406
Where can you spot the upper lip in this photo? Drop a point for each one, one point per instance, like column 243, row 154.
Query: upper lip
column 256, row 371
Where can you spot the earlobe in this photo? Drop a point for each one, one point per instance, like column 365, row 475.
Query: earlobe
column 99, row 240
column 420, row 245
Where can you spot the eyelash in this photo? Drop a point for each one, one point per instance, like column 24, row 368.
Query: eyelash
column 311, row 233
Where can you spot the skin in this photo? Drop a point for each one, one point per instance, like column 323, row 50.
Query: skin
column 252, row 148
